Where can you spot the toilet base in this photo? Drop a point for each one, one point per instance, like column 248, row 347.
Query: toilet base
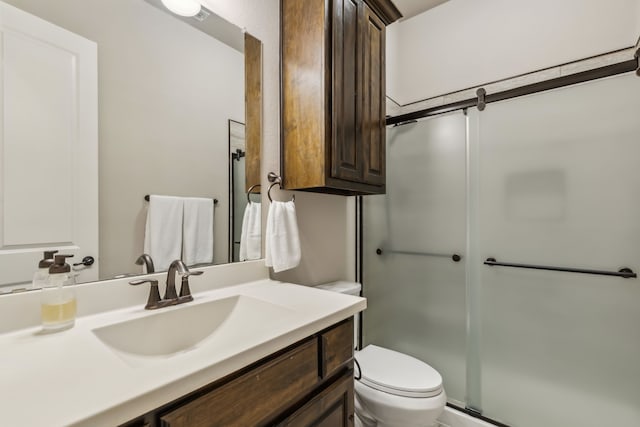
column 377, row 409
column 359, row 423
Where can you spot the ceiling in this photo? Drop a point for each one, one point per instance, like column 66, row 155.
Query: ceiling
column 411, row 8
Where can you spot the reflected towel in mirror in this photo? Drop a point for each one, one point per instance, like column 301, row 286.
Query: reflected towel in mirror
column 282, row 241
column 251, row 235
column 163, row 231
column 197, row 240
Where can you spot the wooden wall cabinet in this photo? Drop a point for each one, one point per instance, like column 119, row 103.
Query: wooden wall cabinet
column 308, row 384
column 333, row 94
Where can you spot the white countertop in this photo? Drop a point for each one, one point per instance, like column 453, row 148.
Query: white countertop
column 73, row 378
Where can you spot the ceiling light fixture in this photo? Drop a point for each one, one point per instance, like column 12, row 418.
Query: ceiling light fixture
column 183, row 7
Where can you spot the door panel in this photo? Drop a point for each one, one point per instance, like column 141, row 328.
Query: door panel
column 49, row 107
column 373, row 93
column 418, row 300
column 558, row 184
column 333, row 407
column 347, row 65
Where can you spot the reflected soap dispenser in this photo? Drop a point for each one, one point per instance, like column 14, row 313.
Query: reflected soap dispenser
column 58, row 304
column 41, row 276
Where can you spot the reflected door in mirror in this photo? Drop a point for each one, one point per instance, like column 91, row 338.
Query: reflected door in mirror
column 49, row 143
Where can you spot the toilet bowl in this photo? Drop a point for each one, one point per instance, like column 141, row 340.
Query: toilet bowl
column 393, row 389
column 396, row 390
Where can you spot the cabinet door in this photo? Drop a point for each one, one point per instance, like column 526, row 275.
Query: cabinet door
column 333, row 407
column 346, row 139
column 373, row 95
column 336, row 348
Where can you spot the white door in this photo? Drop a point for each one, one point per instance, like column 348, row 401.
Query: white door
column 48, row 145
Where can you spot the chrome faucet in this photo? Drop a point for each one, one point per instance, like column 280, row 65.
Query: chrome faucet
column 178, row 266
column 148, row 263
column 170, row 295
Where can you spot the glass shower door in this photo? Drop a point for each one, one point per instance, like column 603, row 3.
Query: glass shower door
column 417, row 291
column 558, row 184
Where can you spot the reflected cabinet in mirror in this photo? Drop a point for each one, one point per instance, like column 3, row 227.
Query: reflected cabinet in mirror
column 105, row 103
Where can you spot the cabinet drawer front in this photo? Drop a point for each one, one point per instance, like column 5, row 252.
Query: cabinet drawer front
column 336, row 346
column 255, row 397
column 333, row 407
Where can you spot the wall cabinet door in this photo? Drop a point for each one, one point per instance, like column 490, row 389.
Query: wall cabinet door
column 373, row 96
column 333, row 407
column 346, row 140
column 333, row 94
column 358, row 117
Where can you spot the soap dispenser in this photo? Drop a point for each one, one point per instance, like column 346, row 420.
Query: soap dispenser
column 58, row 306
column 41, row 276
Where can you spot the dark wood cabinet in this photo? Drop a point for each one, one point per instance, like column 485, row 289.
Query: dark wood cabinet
column 255, row 397
column 252, row 109
column 307, row 384
column 333, row 94
column 373, row 117
column 332, row 407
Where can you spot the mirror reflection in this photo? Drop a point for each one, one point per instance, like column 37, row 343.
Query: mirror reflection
column 106, row 102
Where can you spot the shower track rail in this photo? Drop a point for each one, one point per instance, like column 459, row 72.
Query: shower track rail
column 624, row 272
column 454, row 257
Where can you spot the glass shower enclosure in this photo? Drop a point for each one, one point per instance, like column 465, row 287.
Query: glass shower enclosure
column 479, row 204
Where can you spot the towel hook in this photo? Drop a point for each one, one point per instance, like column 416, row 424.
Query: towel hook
column 276, row 180
column 250, row 190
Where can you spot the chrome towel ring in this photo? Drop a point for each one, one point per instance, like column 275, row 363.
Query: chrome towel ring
column 276, row 180
column 250, row 190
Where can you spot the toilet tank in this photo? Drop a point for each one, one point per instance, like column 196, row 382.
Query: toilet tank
column 349, row 288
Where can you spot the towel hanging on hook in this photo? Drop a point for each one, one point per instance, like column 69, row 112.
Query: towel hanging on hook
column 276, row 180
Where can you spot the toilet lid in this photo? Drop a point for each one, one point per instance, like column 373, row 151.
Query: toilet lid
column 396, row 373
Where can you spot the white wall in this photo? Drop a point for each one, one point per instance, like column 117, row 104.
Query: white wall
column 465, row 43
column 326, row 234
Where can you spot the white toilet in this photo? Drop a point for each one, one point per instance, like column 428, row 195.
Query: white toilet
column 393, row 389
column 396, row 390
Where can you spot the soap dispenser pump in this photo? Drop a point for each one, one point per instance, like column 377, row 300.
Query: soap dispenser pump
column 41, row 276
column 58, row 306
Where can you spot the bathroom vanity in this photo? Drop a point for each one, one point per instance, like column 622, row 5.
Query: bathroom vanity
column 308, row 383
column 247, row 351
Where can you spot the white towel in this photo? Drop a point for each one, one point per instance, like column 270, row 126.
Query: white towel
column 163, row 231
column 197, row 240
column 282, row 241
column 251, row 235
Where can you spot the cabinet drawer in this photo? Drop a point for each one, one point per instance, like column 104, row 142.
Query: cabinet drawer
column 336, row 348
column 332, row 407
column 256, row 397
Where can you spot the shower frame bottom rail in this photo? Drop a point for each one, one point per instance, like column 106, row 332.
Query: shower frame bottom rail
column 623, row 272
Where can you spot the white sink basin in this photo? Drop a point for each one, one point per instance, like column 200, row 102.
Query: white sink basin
column 172, row 331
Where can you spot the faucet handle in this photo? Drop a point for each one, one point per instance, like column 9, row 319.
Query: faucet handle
column 193, row 273
column 185, row 291
column 153, row 301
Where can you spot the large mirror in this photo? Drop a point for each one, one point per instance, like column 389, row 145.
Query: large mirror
column 108, row 102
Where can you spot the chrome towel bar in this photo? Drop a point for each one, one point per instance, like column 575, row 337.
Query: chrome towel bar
column 454, row 257
column 146, row 198
column 623, row 272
